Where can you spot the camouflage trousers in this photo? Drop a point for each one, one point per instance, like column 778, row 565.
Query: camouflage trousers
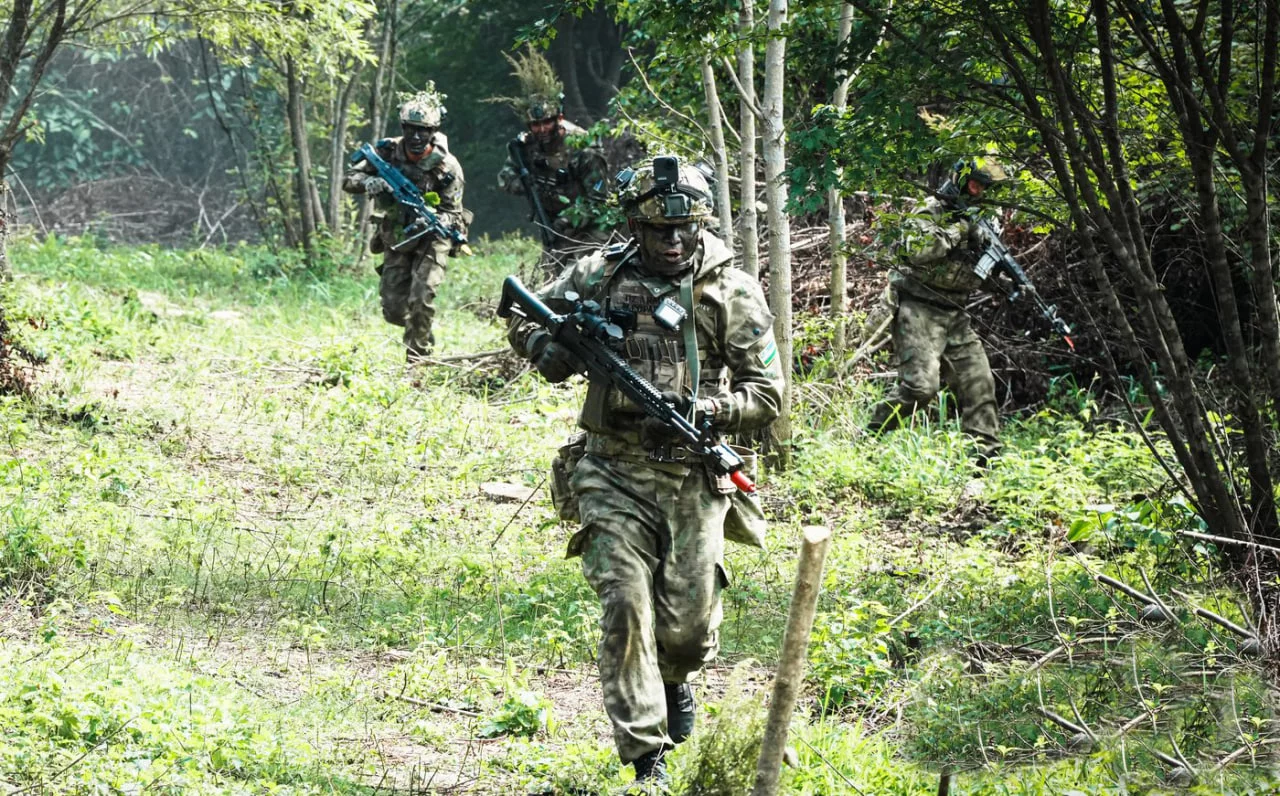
column 408, row 285
column 933, row 344
column 652, row 547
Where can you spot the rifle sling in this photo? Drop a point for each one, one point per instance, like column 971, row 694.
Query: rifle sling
column 688, row 303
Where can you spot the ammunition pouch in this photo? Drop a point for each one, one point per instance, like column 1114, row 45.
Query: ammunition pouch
column 745, row 523
column 562, row 467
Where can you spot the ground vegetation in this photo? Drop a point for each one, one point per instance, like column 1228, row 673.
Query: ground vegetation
column 246, row 551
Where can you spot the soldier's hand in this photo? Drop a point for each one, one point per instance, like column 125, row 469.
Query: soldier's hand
column 374, row 185
column 678, row 402
column 553, row 361
column 654, row 433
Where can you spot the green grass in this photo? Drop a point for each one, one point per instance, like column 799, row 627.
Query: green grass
column 228, row 513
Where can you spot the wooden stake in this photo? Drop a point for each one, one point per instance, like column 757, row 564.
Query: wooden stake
column 795, row 645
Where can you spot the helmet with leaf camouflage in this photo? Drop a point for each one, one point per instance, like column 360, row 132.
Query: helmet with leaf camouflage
column 541, row 92
column 983, row 170
column 423, row 109
column 664, row 192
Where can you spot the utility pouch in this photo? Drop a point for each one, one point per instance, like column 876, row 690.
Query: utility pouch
column 745, row 522
column 376, row 244
column 562, row 467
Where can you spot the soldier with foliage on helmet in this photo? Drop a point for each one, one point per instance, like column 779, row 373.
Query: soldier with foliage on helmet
column 411, row 274
column 653, row 518
column 930, row 283
column 569, row 173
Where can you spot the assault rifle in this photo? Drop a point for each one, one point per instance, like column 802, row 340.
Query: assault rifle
column 516, row 149
column 425, row 221
column 590, row 335
column 997, row 259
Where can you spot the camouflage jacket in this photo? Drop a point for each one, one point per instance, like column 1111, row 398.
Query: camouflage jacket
column 935, row 256
column 563, row 174
column 437, row 173
column 738, row 358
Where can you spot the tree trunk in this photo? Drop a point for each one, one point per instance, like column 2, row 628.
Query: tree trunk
column 1253, row 169
column 393, row 51
column 835, row 200
column 724, row 201
column 6, row 270
column 337, row 155
column 301, row 159
column 775, row 171
column 748, row 225
column 566, row 47
column 377, row 124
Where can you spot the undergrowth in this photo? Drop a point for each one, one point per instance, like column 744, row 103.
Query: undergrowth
column 245, row 550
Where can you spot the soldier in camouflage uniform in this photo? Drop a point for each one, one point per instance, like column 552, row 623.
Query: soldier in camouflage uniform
column 411, row 274
column 929, row 286
column 653, row 517
column 569, row 172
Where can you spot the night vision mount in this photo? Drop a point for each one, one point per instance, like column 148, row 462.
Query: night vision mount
column 676, row 198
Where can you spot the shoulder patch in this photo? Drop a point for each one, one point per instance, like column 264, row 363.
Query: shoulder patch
column 769, row 354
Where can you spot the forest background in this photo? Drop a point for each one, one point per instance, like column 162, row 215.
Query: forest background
column 1142, row 139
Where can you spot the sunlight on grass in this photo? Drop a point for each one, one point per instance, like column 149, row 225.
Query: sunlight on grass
column 256, row 509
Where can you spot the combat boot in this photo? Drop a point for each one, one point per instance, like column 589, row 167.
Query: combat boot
column 651, row 768
column 415, row 352
column 681, row 710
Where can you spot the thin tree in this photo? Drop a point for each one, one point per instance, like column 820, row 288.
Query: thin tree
column 377, row 112
column 748, row 225
column 835, row 199
column 776, row 189
column 715, row 127
column 303, row 184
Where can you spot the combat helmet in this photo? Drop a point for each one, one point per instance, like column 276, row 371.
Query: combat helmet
column 664, row 192
column 541, row 94
column 423, row 109
column 983, row 170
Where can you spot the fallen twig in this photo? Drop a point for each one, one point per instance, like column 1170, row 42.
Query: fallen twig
column 464, row 357
column 434, row 707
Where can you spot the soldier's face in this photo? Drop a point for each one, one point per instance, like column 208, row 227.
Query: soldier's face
column 975, row 188
column 416, row 139
column 546, row 130
column 666, row 248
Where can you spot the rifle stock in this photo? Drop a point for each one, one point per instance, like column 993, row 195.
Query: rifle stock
column 586, row 334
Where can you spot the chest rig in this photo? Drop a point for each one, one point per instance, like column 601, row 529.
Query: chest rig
column 554, row 174
column 655, row 351
column 952, row 276
column 428, row 174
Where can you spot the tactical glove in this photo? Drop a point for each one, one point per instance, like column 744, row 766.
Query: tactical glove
column 374, row 185
column 553, row 361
